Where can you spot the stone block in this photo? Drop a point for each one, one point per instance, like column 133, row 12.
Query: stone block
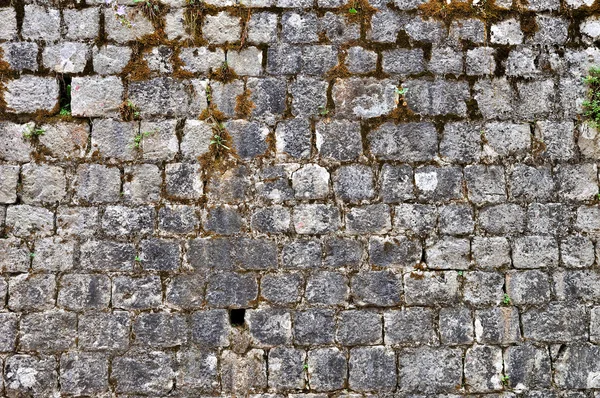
column 429, row 369
column 48, row 331
column 25, row 220
column 136, row 293
column 70, row 57
column 372, row 369
column 363, row 97
column 412, row 325
column 96, row 96
column 144, row 372
column 80, row 292
column 30, row 94
column 430, row 288
column 379, row 288
column 358, row 327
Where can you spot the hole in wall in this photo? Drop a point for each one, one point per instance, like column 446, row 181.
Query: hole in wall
column 237, row 316
column 64, row 83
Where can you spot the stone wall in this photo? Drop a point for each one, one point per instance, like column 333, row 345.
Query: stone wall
column 303, row 197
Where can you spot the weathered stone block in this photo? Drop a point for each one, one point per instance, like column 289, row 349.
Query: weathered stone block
column 8, row 183
column 440, row 97
column 210, row 328
column 556, row 322
column 29, row 94
column 439, row 183
column 221, row 28
column 497, row 325
column 41, row 23
column 231, row 290
column 136, row 293
column 327, row 288
column 429, row 370
column 314, row 327
column 20, row 55
column 48, row 331
column 128, row 221
column 96, row 96
column 270, row 327
column 66, row 57
column 107, row 256
column 357, row 327
column 363, row 97
column 431, row 288
column 372, row 369
column 25, row 220
column 379, row 288
column 79, row 292
column 82, row 24
column 144, row 372
column 281, row 289
column 104, row 331
column 110, row 59
column 160, row 329
column 413, row 325
column 136, row 26
column 83, row 373
column 286, row 368
column 33, row 375
column 483, row 368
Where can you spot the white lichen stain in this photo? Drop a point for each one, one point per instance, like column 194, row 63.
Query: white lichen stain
column 25, row 379
column 593, row 380
column 426, row 181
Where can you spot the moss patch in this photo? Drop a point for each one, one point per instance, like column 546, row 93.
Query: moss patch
column 243, row 104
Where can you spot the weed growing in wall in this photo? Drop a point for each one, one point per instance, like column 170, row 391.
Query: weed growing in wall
column 591, row 106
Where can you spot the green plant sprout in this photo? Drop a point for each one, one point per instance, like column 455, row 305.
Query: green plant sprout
column 32, row 132
column 401, row 91
column 138, row 259
column 32, row 255
column 218, row 141
column 504, row 379
column 353, row 11
column 591, row 106
column 305, row 367
column 137, row 140
column 506, row 299
column 323, row 111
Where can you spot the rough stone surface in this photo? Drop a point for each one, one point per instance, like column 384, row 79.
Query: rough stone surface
column 298, row 199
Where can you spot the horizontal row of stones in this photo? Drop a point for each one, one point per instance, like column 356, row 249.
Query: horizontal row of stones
column 437, row 253
column 43, row 184
column 47, row 24
column 478, row 369
column 353, row 98
column 307, row 219
column 32, row 292
column 328, row 141
column 311, row 60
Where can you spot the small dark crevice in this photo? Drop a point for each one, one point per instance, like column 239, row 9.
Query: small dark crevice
column 236, row 316
column 64, row 82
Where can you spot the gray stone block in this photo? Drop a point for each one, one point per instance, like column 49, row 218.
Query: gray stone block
column 372, row 369
column 29, row 94
column 429, row 370
column 144, row 372
column 412, row 325
column 363, row 97
column 358, row 327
